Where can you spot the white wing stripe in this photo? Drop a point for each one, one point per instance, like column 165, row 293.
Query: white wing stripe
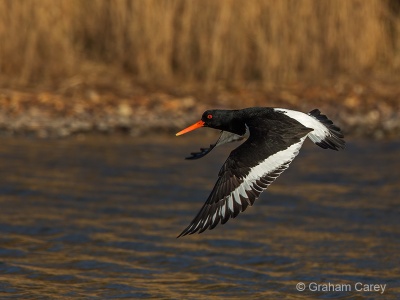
column 215, row 215
column 236, row 197
column 230, row 204
column 269, row 165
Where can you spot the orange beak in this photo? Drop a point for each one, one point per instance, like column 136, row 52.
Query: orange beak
column 190, row 128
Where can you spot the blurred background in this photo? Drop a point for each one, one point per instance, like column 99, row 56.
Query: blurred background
column 95, row 215
column 82, row 59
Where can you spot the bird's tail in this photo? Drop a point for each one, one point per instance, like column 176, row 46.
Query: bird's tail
column 326, row 134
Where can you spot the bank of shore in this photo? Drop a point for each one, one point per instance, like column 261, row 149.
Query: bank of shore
column 361, row 110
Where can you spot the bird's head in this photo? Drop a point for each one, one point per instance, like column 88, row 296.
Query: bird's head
column 215, row 118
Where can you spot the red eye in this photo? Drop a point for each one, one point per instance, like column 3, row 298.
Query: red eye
column 209, row 116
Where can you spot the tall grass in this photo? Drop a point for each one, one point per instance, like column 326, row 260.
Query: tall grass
column 226, row 41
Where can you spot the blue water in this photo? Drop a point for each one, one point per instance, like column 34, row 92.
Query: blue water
column 97, row 218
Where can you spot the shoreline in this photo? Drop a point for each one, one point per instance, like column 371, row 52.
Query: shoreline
column 359, row 110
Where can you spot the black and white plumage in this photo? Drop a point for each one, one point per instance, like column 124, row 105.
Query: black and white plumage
column 274, row 138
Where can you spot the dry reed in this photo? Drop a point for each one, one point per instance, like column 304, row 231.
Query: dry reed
column 227, row 41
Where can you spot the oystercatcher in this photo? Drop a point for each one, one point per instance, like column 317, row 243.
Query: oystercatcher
column 274, row 138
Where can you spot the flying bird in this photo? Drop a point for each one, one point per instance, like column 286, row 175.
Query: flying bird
column 273, row 136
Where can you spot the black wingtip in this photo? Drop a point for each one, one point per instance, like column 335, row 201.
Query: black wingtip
column 184, row 233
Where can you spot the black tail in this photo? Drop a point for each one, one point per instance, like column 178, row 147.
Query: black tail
column 333, row 140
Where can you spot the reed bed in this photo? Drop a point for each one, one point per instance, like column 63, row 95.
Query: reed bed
column 226, row 42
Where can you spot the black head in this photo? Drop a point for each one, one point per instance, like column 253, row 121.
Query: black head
column 216, row 118
column 227, row 120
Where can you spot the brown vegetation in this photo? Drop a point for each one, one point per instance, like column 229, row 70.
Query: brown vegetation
column 227, row 41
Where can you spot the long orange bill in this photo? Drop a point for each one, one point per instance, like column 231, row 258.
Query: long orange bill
column 192, row 127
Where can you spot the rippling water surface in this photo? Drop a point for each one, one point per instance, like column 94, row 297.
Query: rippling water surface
column 97, row 218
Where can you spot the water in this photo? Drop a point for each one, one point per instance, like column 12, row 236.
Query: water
column 97, row 218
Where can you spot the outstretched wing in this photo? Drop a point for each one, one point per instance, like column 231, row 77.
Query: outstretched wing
column 224, row 138
column 247, row 172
